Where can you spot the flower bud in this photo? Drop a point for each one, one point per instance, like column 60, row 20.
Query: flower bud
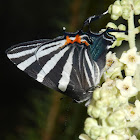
column 122, row 27
column 89, row 110
column 104, row 93
column 101, row 103
column 117, row 2
column 115, row 10
column 96, row 94
column 113, row 101
column 93, row 111
column 105, row 131
column 103, row 114
column 126, row 12
column 95, row 132
column 137, row 7
column 111, row 25
column 124, row 2
column 89, row 123
column 110, row 9
column 114, row 17
column 117, row 119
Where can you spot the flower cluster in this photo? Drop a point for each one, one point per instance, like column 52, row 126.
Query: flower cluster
column 123, row 8
column 110, row 113
column 131, row 59
column 115, row 106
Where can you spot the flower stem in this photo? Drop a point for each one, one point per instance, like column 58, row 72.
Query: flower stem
column 131, row 27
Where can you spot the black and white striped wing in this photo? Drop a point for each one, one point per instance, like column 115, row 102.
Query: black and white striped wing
column 68, row 69
column 23, row 55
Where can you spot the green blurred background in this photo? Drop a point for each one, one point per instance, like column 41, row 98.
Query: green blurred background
column 29, row 110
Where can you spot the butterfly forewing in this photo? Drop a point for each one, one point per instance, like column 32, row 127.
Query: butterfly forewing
column 70, row 68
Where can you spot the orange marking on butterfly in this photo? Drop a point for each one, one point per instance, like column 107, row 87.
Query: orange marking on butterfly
column 77, row 39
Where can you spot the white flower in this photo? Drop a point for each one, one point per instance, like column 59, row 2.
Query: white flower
column 126, row 88
column 113, row 66
column 131, row 58
column 110, row 60
column 131, row 113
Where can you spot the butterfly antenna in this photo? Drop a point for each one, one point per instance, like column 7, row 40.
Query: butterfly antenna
column 91, row 19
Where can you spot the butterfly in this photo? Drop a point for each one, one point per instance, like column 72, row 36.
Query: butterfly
column 71, row 64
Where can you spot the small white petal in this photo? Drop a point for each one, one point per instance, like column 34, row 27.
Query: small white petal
column 126, row 88
column 130, row 58
column 123, row 58
column 113, row 66
column 131, row 113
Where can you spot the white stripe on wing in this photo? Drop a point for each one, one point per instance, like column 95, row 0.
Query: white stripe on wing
column 91, row 67
column 98, row 74
column 65, row 79
column 50, row 65
column 20, row 54
column 23, row 65
column 86, row 74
